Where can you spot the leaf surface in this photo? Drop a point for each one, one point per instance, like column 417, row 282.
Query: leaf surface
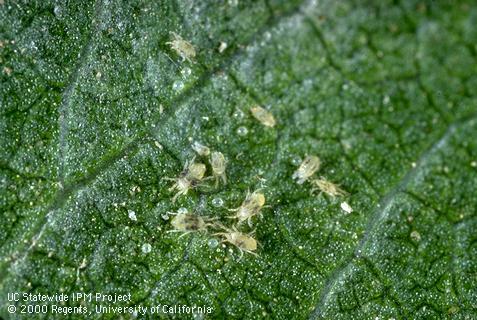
column 96, row 109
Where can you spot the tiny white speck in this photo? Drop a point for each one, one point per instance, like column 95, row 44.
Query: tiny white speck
column 132, row 215
column 222, row 46
column 413, row 164
column 346, row 207
column 473, row 164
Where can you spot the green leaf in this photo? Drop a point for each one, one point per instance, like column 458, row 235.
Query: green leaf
column 96, row 109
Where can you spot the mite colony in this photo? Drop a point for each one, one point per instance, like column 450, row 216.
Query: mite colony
column 193, row 176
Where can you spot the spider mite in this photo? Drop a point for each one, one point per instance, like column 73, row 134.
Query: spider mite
column 243, row 242
column 189, row 178
column 265, row 117
column 189, row 222
column 218, row 163
column 250, row 207
column 307, row 168
column 182, row 47
column 328, row 187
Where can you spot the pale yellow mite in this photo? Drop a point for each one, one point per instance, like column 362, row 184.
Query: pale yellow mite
column 251, row 206
column 243, row 242
column 265, row 117
column 331, row 189
column 219, row 164
column 307, row 168
column 189, row 178
column 182, row 47
column 189, row 222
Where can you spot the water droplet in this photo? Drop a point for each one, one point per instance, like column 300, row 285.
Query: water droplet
column 146, row 248
column 213, row 243
column 178, row 85
column 238, row 114
column 186, row 72
column 242, row 131
column 217, row 202
column 296, row 160
column 182, row 210
column 57, row 11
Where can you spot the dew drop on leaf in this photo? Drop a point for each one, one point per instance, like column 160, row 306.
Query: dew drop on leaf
column 238, row 114
column 242, row 131
column 178, row 85
column 186, row 72
column 296, row 160
column 57, row 11
column 213, row 243
column 217, row 202
column 146, row 248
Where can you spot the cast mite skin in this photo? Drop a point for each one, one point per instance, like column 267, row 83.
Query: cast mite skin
column 328, row 187
column 250, row 207
column 200, row 149
column 189, row 178
column 219, row 164
column 182, row 47
column 263, row 116
column 307, row 168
